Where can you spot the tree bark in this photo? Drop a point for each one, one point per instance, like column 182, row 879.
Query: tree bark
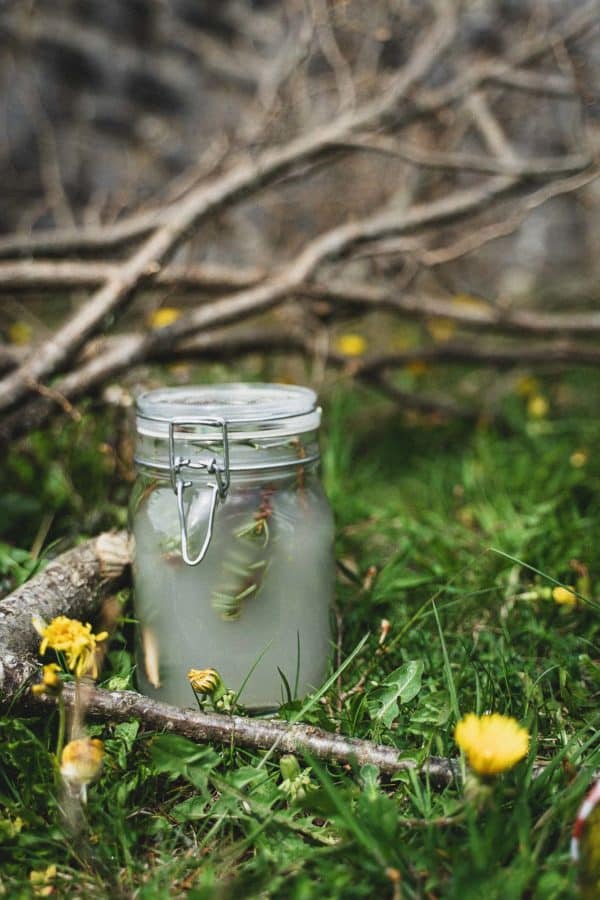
column 73, row 585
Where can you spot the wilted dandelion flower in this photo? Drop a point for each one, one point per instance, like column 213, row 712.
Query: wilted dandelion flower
column 491, row 743
column 564, row 596
column 80, row 764
column 74, row 639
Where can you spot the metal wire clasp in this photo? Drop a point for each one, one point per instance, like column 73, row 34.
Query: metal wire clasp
column 213, row 467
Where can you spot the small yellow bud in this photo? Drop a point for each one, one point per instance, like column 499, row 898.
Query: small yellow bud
column 204, row 681
column 564, row 596
column 578, row 459
column 50, row 683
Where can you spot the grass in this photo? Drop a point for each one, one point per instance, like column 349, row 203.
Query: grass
column 454, row 535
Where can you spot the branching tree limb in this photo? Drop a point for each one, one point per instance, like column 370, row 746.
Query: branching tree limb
column 417, row 224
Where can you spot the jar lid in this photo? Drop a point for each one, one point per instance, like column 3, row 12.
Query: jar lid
column 249, row 411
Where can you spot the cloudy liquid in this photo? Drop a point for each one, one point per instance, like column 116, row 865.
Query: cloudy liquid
column 275, row 637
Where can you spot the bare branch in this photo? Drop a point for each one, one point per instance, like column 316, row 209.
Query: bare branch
column 536, row 167
column 254, row 733
column 36, row 275
column 147, row 261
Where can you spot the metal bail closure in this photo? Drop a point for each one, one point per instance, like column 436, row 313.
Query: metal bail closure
column 213, row 467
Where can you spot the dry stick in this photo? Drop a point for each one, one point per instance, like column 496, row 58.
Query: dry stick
column 37, row 275
column 437, row 256
column 252, row 300
column 291, row 279
column 74, row 584
column 45, row 275
column 535, row 167
column 257, row 734
column 472, row 77
column 137, row 225
column 128, row 350
column 218, row 345
column 146, row 261
column 49, row 275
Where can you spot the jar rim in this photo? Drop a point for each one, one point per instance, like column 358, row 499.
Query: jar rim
column 242, row 406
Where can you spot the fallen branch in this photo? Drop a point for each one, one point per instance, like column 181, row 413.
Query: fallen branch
column 74, row 585
column 254, row 733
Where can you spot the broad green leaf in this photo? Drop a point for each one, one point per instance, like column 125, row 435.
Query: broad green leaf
column 399, row 687
column 177, row 756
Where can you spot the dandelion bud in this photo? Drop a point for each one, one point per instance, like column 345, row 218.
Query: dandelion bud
column 206, row 682
column 80, row 763
column 289, row 767
column 51, row 682
column 296, row 782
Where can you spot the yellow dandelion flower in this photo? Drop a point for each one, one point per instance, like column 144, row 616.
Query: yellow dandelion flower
column 578, row 459
column 164, row 316
column 564, row 596
column 351, row 344
column 50, row 683
column 204, row 681
column 74, row 639
column 81, row 761
column 491, row 743
column 538, row 407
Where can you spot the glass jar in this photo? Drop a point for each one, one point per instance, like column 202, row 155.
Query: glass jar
column 233, row 536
